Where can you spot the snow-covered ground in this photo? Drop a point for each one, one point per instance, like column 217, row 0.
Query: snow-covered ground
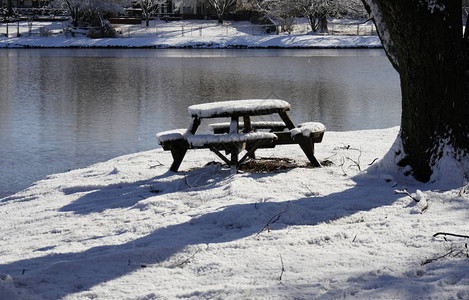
column 128, row 229
column 189, row 33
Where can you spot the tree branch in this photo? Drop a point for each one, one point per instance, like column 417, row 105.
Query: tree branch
column 187, row 260
column 405, row 192
column 283, row 268
column 437, row 258
column 274, row 219
column 373, row 8
column 451, row 234
column 373, row 161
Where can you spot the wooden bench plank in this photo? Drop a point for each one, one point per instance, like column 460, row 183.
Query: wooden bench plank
column 205, row 140
column 220, row 128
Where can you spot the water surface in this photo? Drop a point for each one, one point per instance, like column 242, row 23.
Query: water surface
column 62, row 109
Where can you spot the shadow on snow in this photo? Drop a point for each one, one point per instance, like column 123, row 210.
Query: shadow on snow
column 64, row 274
column 97, row 199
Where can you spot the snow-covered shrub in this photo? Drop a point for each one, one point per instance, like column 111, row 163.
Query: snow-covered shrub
column 105, row 31
column 43, row 31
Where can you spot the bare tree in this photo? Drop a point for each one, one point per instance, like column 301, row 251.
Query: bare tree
column 9, row 8
column 281, row 11
column 317, row 11
column 93, row 11
column 97, row 11
column 221, row 6
column 74, row 8
column 149, row 7
column 425, row 42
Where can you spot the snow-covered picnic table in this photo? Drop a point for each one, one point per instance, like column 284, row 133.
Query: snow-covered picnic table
column 250, row 107
column 233, row 137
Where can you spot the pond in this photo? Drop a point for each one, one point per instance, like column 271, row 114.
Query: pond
column 62, row 109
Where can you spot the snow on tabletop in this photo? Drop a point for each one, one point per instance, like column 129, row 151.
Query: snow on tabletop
column 308, row 128
column 200, row 140
column 129, row 229
column 207, row 110
column 171, row 135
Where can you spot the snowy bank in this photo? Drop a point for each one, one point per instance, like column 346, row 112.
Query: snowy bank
column 128, row 229
column 187, row 34
column 248, row 41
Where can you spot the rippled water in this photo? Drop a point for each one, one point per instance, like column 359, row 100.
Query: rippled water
column 62, row 109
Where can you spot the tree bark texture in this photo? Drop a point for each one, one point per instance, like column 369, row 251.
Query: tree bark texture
column 425, row 43
column 9, row 8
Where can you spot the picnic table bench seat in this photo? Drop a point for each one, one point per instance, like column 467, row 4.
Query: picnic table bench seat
column 224, row 127
column 314, row 130
column 205, row 140
column 232, row 143
column 178, row 141
column 168, row 138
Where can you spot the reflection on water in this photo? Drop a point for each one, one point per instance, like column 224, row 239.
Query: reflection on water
column 66, row 108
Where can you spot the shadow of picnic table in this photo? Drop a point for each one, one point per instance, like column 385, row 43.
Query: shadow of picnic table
column 58, row 275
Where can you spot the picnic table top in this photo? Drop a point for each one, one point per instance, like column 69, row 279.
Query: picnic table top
column 238, row 108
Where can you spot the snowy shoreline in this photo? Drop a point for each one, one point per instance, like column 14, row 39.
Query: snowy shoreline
column 262, row 42
column 190, row 34
column 128, row 229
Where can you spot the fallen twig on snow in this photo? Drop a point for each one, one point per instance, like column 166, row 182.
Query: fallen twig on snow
column 187, row 260
column 451, row 234
column 356, row 162
column 283, row 268
column 430, row 260
column 405, row 192
column 274, row 219
column 312, row 193
column 373, row 161
column 342, row 166
column 454, row 251
column 348, row 147
column 157, row 165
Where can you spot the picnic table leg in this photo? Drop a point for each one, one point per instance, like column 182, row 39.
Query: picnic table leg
column 286, row 119
column 178, row 154
column 195, row 124
column 234, row 160
column 234, row 128
column 247, row 124
column 215, row 150
column 250, row 151
column 247, row 129
column 308, row 148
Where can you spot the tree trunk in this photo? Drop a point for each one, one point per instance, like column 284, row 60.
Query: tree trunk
column 323, row 25
column 312, row 22
column 424, row 41
column 9, row 8
column 74, row 15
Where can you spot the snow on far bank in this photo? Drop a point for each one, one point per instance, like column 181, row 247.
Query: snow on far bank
column 128, row 229
column 184, row 34
column 268, row 41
